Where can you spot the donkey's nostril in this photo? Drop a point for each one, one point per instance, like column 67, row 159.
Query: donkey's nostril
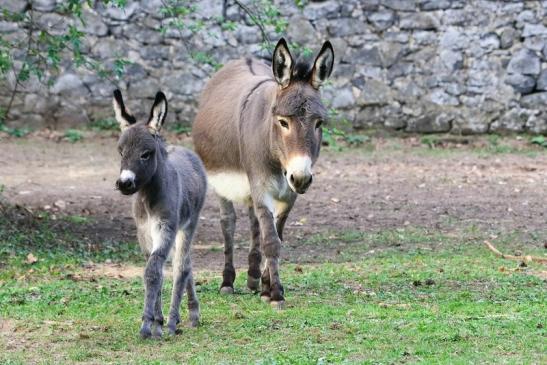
column 125, row 185
column 300, row 183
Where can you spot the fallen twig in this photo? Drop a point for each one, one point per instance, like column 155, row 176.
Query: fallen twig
column 526, row 258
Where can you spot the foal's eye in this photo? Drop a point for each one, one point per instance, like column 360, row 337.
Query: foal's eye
column 284, row 123
column 318, row 124
column 146, row 155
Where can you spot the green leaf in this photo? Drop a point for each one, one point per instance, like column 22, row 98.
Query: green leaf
column 539, row 140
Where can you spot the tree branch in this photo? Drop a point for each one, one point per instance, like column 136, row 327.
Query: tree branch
column 257, row 20
column 15, row 74
column 526, row 258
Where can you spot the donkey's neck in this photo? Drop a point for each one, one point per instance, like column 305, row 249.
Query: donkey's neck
column 273, row 158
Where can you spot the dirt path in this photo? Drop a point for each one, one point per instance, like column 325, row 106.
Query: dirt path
column 389, row 185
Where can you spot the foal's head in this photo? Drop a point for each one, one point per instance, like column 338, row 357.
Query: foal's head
column 299, row 112
column 139, row 145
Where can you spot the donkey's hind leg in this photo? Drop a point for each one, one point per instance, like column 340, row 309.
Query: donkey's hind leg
column 181, row 272
column 255, row 257
column 228, row 225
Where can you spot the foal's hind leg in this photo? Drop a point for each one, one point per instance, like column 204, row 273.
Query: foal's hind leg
column 255, row 257
column 228, row 225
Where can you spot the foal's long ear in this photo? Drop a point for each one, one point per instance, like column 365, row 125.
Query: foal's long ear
column 122, row 116
column 158, row 112
column 322, row 67
column 282, row 64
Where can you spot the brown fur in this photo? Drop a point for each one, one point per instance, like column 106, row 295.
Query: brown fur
column 256, row 121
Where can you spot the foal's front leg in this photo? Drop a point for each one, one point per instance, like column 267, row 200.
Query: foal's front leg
column 162, row 239
column 182, row 275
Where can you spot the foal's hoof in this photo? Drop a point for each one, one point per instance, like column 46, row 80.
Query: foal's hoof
column 278, row 304
column 253, row 283
column 174, row 332
column 193, row 318
column 157, row 331
column 227, row 290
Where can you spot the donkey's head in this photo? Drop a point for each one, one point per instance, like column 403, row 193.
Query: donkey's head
column 139, row 145
column 298, row 112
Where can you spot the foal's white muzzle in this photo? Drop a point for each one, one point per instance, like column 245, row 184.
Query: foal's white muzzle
column 127, row 175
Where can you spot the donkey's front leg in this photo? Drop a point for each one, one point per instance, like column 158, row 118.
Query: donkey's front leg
column 271, row 246
column 255, row 257
column 162, row 240
column 282, row 211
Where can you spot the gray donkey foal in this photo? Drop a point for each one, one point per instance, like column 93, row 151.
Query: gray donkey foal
column 171, row 184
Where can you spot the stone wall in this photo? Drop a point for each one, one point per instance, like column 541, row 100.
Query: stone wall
column 464, row 66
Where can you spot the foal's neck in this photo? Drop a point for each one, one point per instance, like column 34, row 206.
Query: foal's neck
column 151, row 191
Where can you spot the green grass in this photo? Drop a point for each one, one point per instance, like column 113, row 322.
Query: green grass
column 73, row 135
column 14, row 132
column 426, row 297
column 105, row 124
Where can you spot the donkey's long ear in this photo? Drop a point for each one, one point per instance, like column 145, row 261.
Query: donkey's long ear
column 158, row 112
column 282, row 64
column 122, row 116
column 322, row 67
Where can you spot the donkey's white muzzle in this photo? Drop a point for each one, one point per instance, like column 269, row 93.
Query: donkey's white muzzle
column 299, row 174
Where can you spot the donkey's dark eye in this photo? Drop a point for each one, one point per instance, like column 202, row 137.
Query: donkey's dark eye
column 284, row 123
column 318, row 124
column 146, row 155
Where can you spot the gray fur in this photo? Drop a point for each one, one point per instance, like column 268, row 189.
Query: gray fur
column 257, row 121
column 170, row 186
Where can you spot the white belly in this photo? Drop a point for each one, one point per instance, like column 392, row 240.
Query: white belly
column 232, row 185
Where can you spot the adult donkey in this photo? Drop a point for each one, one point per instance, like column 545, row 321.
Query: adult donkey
column 258, row 132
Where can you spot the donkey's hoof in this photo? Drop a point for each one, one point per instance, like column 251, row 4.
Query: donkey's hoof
column 265, row 298
column 253, row 283
column 278, row 304
column 226, row 290
column 145, row 332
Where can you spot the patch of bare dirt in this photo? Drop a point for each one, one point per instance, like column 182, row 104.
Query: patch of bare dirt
column 7, row 327
column 381, row 187
column 113, row 270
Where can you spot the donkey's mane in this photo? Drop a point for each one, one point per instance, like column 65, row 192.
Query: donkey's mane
column 301, row 71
